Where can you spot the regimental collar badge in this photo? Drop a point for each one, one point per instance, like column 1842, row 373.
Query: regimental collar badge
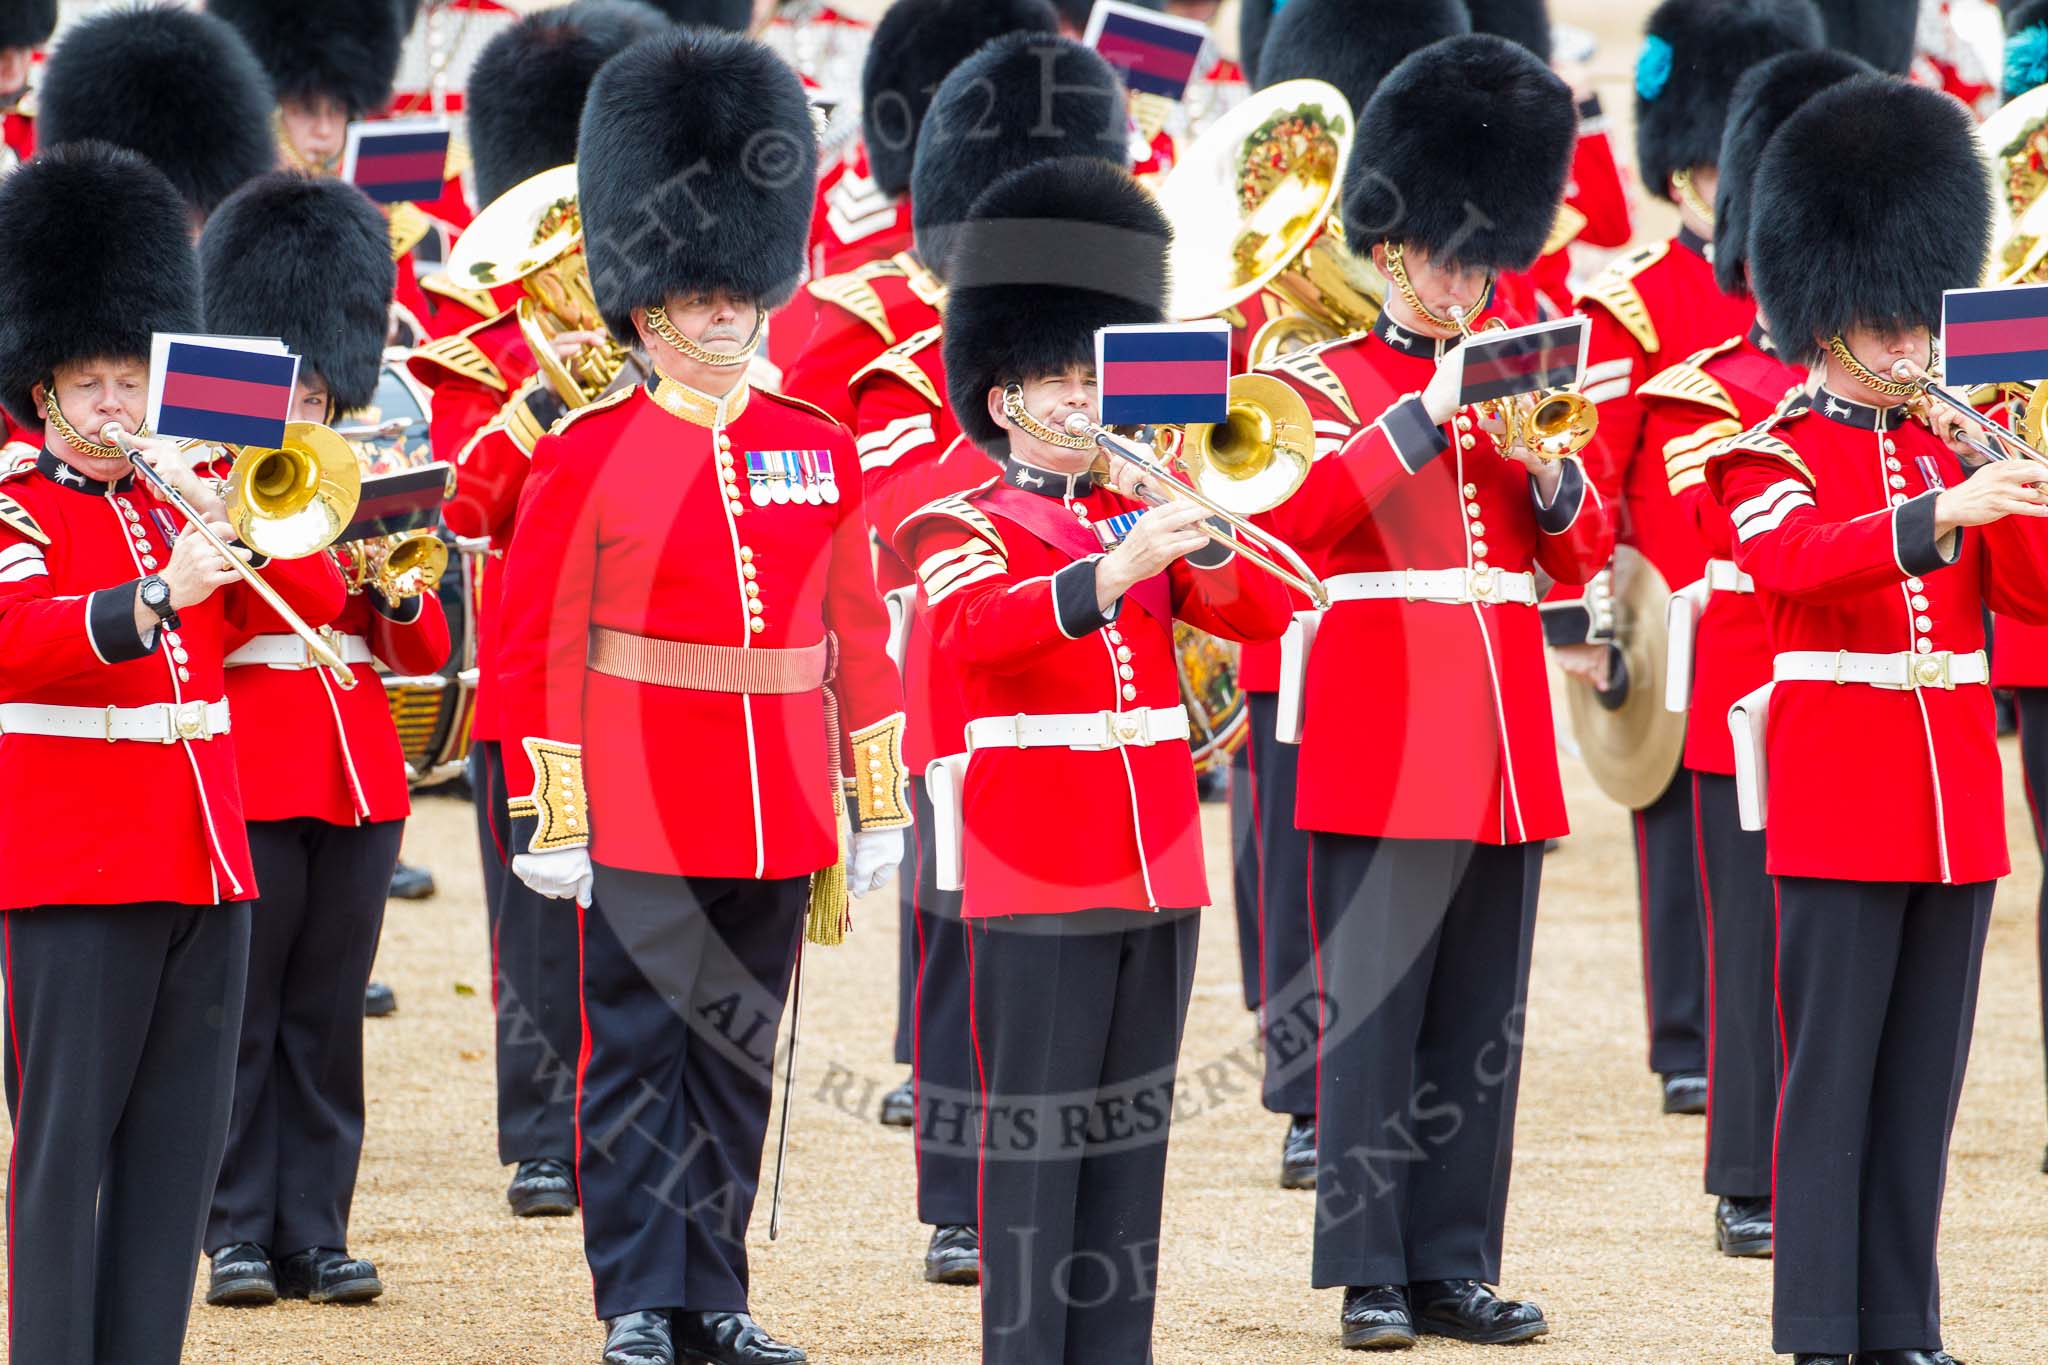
column 64, row 476
column 1838, row 409
column 1045, row 482
column 1407, row 342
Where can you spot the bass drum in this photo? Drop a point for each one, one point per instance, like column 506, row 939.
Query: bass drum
column 1218, row 720
column 432, row 712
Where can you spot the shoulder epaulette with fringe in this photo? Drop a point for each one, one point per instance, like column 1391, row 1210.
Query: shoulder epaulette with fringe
column 1688, row 382
column 1310, row 368
column 575, row 415
column 16, row 518
column 1615, row 290
column 461, row 355
column 855, row 292
column 957, row 507
column 898, row 360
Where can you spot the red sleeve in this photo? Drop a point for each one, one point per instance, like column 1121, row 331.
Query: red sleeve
column 490, row 469
column 1235, row 600
column 867, row 686
column 1598, row 191
column 1577, row 528
column 1615, row 365
column 312, row 587
column 902, row 466
column 2015, row 554
column 410, row 637
column 1681, row 434
column 1345, row 484
column 461, row 408
column 1782, row 542
column 839, row 345
column 46, row 638
column 980, row 614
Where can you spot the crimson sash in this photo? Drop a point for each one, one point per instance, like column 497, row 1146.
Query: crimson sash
column 1051, row 521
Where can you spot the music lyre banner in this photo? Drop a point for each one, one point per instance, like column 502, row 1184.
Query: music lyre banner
column 1543, row 355
column 409, row 500
column 1995, row 336
column 1156, row 54
column 397, row 160
column 1175, row 372
column 229, row 390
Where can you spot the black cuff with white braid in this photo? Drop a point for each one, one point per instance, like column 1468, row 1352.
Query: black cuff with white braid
column 1074, row 608
column 1416, row 439
column 1913, row 541
column 110, row 623
column 403, row 612
column 1566, row 623
column 1563, row 510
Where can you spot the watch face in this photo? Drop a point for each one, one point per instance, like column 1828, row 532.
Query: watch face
column 156, row 593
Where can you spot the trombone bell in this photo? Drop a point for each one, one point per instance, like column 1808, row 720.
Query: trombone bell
column 1259, row 454
column 294, row 501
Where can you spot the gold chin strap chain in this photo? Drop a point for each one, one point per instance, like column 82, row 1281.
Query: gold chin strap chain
column 1014, row 409
column 658, row 323
column 1867, row 377
column 1397, row 267
column 78, row 442
column 1689, row 196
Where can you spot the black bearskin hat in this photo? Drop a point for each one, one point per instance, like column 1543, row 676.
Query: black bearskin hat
column 2026, row 47
column 307, row 261
column 346, row 49
column 1693, row 53
column 527, row 87
column 1254, row 17
column 1475, row 122
column 1024, row 98
column 1828, row 192
column 1353, row 44
column 1768, row 93
column 1881, row 32
column 82, row 284
column 27, row 23
column 180, row 87
column 1076, row 12
column 706, row 193
column 1049, row 254
column 734, row 16
column 1525, row 21
column 915, row 45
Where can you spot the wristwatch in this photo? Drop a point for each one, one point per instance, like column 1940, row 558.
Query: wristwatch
column 156, row 595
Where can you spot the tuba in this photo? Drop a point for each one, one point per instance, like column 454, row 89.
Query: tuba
column 1253, row 208
column 533, row 233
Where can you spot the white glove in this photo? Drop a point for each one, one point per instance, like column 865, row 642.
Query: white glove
column 1440, row 395
column 870, row 858
column 561, row 875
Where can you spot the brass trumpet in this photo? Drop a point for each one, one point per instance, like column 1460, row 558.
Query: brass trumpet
column 1560, row 423
column 399, row 567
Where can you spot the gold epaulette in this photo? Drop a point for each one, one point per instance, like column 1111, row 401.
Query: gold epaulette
column 1311, row 369
column 574, row 415
column 801, row 405
column 1759, row 440
column 1615, row 290
column 464, row 357
column 16, row 518
column 1565, row 230
column 1685, row 457
column 855, row 292
column 897, row 361
column 409, row 227
column 956, row 507
column 478, row 301
column 1686, row 382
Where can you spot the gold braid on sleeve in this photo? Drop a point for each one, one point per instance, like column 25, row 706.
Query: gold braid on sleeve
column 877, row 783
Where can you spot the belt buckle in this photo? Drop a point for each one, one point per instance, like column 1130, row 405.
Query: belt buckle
column 1484, row 584
column 188, row 721
column 1131, row 729
column 1931, row 670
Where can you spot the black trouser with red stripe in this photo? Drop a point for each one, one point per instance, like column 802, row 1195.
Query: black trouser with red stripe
column 1424, row 948
column 948, row 1102
column 295, row 1140
column 533, row 985
column 121, row 1023
column 2032, row 704
column 1247, row 856
column 1674, row 948
column 1077, row 1024
column 1286, row 938
column 684, row 980
column 1877, row 988
column 1743, row 1062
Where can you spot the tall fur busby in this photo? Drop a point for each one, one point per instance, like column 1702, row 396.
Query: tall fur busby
column 95, row 255
column 915, row 45
column 178, row 86
column 1049, row 254
column 27, row 23
column 345, row 49
column 1768, row 93
column 1693, row 53
column 1024, row 97
column 308, row 261
column 1353, row 44
column 2026, row 47
column 527, row 88
column 706, row 193
column 1881, row 32
column 1839, row 238
column 1254, row 19
column 1463, row 151
column 734, row 16
column 1524, row 21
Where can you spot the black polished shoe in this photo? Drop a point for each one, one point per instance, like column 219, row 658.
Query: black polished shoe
column 1376, row 1318
column 639, row 1339
column 1906, row 1358
column 242, row 1277
column 379, row 1000
column 954, row 1257
column 1466, row 1310
column 1742, row 1227
column 327, row 1275
column 1298, row 1154
column 543, row 1188
column 1820, row 1360
column 409, row 883
column 730, row 1339
column 1685, row 1092
column 899, row 1107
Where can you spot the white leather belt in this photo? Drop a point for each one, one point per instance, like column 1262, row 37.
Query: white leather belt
column 289, row 651
column 1140, row 728
column 1486, row 586
column 1723, row 576
column 159, row 723
column 1899, row 672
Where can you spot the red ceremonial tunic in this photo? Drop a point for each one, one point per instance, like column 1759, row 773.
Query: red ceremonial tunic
column 1425, row 720
column 1833, row 510
column 1687, row 409
column 853, row 223
column 624, row 527
column 1008, row 588
column 861, row 314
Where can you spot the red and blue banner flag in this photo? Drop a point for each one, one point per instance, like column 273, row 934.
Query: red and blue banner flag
column 1995, row 336
column 397, row 161
column 221, row 391
column 1156, row 54
column 1176, row 373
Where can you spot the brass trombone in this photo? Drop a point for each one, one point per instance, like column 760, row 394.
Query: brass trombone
column 2004, row 442
column 1250, row 462
column 1561, row 423
column 268, row 480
